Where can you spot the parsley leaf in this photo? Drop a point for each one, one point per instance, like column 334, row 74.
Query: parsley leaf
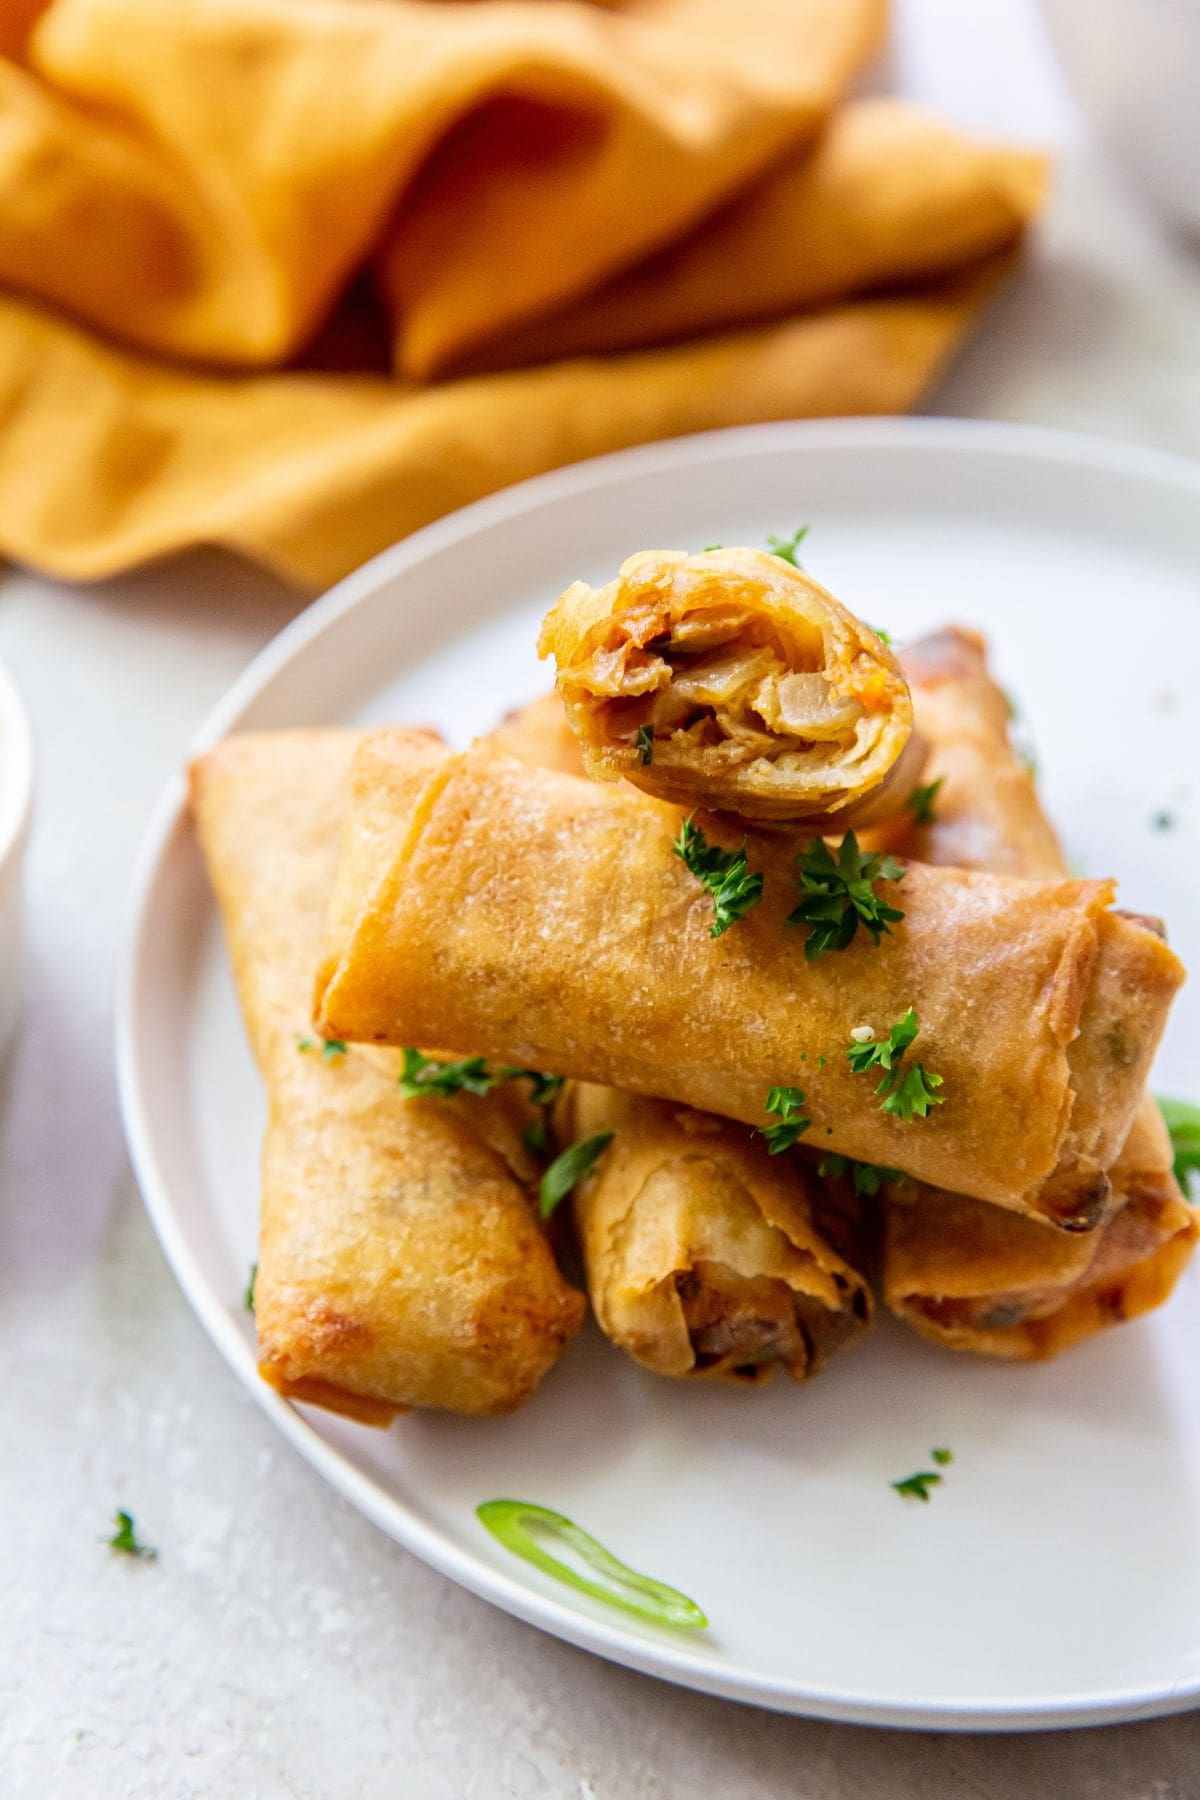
column 709, row 547
column 786, row 1101
column 330, row 1047
column 882, row 1054
column 425, row 1075
column 645, row 745
column 885, row 637
column 543, row 1090
column 866, row 1178
column 126, row 1540
column 916, row 1487
column 569, row 1169
column 1183, row 1123
column 838, row 895
column 472, row 1075
column 534, row 1138
column 248, row 1296
column 920, row 802
column 910, row 1093
column 942, row 1457
column 723, row 872
column 785, row 548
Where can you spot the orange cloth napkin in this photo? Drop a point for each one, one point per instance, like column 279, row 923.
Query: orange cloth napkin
column 489, row 238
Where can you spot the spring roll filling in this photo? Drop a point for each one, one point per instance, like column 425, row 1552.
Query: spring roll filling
column 728, row 683
column 741, row 1325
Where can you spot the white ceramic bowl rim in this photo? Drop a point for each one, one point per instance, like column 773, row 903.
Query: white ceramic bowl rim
column 16, row 768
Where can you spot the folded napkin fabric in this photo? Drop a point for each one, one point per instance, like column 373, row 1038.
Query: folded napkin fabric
column 575, row 226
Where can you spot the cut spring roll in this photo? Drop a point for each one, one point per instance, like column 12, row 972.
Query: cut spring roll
column 966, row 1274
column 703, row 1253
column 545, row 921
column 731, row 681
column 400, row 1263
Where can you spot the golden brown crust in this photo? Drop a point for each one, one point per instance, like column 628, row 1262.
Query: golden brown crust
column 547, row 922
column 703, row 1255
column 400, row 1263
column 730, row 680
column 965, row 1274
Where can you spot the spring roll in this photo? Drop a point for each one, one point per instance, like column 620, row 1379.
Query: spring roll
column 966, row 1274
column 975, row 1278
column 545, row 921
column 400, row 1262
column 703, row 1253
column 731, row 681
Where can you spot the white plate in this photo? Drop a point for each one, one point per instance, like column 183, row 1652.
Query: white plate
column 1055, row 1576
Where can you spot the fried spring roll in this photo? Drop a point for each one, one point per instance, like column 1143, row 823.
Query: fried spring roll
column 523, row 914
column 976, row 1278
column 400, row 1263
column 966, row 1274
column 731, row 681
column 703, row 1253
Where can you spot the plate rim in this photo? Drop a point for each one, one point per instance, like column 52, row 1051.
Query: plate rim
column 168, row 821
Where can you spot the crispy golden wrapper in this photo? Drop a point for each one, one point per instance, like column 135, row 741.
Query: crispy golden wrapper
column 704, row 1254
column 400, row 1263
column 731, row 681
column 521, row 913
column 966, row 1274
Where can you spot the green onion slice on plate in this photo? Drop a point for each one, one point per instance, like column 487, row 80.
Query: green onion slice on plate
column 513, row 1523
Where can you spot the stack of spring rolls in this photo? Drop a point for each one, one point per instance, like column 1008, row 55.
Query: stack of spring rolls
column 760, row 924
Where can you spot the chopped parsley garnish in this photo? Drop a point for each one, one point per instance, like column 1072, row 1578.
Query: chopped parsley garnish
column 471, row 1075
column 645, row 745
column 534, row 1138
column 709, row 547
column 785, row 548
column 912, row 1095
column 866, row 1178
column 882, row 1053
column 942, row 1457
column 838, row 895
column 543, row 1090
column 1164, row 821
column 248, row 1296
column 330, row 1047
column 723, row 872
column 920, row 802
column 916, row 1487
column 786, row 1101
column 425, row 1075
column 885, row 637
column 908, row 1093
column 569, row 1169
column 523, row 1528
column 1183, row 1123
column 126, row 1540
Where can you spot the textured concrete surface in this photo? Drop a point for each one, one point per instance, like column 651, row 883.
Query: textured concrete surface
column 280, row 1646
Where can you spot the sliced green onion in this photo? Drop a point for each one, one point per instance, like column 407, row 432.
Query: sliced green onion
column 568, row 1169
column 510, row 1523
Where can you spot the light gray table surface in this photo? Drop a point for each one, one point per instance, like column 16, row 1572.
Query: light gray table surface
column 281, row 1646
